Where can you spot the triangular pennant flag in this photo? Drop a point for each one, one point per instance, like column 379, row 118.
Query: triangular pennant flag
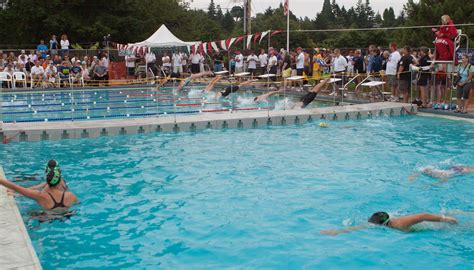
column 214, row 46
column 239, row 39
column 209, row 48
column 204, row 47
column 276, row 32
column 256, row 36
column 193, row 49
column 201, row 49
column 249, row 39
column 229, row 42
column 222, row 45
column 263, row 36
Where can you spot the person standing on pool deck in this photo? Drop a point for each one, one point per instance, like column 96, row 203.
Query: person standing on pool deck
column 311, row 95
column 464, row 85
column 53, row 196
column 404, row 223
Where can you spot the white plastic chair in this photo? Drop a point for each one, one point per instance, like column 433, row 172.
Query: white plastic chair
column 73, row 80
column 6, row 77
column 19, row 76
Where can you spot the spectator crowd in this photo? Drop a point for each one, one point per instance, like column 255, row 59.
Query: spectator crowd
column 402, row 69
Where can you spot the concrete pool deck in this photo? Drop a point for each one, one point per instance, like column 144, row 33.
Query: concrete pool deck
column 16, row 249
column 41, row 131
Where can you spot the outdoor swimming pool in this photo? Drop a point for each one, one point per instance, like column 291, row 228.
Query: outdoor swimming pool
column 77, row 104
column 256, row 198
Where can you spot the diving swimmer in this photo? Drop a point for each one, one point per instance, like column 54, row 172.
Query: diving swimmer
column 404, row 223
column 311, row 95
column 54, row 196
column 231, row 88
column 443, row 175
column 188, row 80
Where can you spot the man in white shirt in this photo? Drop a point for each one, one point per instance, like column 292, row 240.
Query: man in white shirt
column 263, row 59
column 37, row 73
column 339, row 66
column 195, row 61
column 51, row 75
column 299, row 62
column 22, row 57
column 252, row 60
column 166, row 63
column 239, row 62
column 391, row 70
column 150, row 59
column 272, row 64
column 177, row 63
column 33, row 57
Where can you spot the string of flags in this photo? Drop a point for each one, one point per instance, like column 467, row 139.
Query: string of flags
column 208, row 47
column 213, row 46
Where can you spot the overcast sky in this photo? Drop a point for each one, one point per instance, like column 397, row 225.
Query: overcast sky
column 301, row 8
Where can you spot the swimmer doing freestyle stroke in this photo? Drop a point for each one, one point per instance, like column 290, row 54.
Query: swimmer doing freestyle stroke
column 442, row 175
column 404, row 223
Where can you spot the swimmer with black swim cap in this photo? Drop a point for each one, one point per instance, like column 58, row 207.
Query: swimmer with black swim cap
column 402, row 223
column 233, row 88
column 53, row 196
column 311, row 95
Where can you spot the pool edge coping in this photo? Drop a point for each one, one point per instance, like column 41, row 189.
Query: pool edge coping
column 23, row 247
column 41, row 131
column 448, row 117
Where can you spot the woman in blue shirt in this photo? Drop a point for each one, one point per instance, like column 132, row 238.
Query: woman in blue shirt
column 464, row 84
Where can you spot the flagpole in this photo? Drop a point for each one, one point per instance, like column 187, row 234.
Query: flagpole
column 288, row 27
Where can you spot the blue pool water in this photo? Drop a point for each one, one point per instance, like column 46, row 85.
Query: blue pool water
column 65, row 105
column 256, row 199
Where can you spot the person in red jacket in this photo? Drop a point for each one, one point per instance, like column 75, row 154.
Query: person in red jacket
column 444, row 41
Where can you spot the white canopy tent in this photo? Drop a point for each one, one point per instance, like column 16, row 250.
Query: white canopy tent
column 162, row 38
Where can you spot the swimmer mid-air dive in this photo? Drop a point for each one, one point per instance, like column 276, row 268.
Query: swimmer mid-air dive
column 402, row 223
column 443, row 175
column 311, row 95
column 229, row 89
column 193, row 77
column 53, row 196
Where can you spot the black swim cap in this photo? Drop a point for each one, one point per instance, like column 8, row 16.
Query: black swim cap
column 379, row 218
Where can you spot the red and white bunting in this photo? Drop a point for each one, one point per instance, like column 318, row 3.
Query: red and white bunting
column 214, row 46
column 239, row 39
column 256, row 36
column 263, row 36
column 249, row 40
column 276, row 32
column 229, row 42
column 222, row 45
column 204, row 47
column 209, row 47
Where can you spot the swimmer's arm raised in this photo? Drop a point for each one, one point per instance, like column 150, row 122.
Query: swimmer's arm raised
column 404, row 223
column 30, row 193
column 346, row 230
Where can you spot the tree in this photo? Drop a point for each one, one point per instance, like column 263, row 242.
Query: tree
column 211, row 10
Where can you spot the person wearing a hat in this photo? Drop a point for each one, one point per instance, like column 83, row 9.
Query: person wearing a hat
column 239, row 62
